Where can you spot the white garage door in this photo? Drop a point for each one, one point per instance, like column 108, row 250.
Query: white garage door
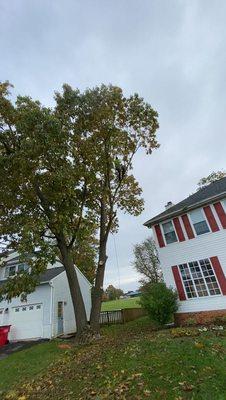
column 27, row 322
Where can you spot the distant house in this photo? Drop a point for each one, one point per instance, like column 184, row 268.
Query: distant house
column 48, row 311
column 132, row 293
column 191, row 239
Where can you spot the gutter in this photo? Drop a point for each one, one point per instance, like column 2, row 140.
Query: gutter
column 154, row 220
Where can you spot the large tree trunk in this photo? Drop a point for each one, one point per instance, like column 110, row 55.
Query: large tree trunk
column 97, row 292
column 98, row 287
column 76, row 295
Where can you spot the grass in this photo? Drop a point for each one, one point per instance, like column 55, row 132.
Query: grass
column 25, row 364
column 131, row 362
column 120, row 304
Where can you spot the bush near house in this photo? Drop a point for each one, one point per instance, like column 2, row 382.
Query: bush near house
column 160, row 302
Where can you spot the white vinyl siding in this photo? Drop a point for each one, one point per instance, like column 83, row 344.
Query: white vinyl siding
column 199, row 222
column 169, row 232
column 200, row 248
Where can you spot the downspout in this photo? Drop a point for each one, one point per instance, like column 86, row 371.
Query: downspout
column 51, row 308
column 3, row 312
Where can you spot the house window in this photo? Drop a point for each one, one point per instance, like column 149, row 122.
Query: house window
column 10, row 271
column 169, row 232
column 224, row 204
column 21, row 268
column 199, row 222
column 15, row 269
column 199, row 279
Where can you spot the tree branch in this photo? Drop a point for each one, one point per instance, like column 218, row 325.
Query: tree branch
column 80, row 216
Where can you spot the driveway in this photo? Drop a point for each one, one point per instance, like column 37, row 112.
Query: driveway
column 11, row 348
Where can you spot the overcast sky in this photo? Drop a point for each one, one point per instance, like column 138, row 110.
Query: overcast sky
column 171, row 52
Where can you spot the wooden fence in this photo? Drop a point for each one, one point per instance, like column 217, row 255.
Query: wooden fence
column 121, row 316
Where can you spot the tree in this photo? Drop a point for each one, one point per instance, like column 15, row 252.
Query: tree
column 146, row 261
column 44, row 194
column 121, row 127
column 160, row 302
column 214, row 176
column 67, row 171
column 113, row 293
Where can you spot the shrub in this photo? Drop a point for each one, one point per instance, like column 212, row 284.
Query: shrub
column 191, row 322
column 160, row 302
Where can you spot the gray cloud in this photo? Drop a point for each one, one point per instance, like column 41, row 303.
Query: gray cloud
column 172, row 53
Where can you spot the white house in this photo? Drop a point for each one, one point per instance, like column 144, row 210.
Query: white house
column 48, row 311
column 191, row 240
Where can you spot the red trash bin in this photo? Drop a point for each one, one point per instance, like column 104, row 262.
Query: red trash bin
column 4, row 330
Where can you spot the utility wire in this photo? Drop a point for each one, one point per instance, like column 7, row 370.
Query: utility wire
column 117, row 263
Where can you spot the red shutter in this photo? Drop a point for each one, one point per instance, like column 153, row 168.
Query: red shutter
column 187, row 226
column 178, row 228
column 159, row 236
column 221, row 214
column 211, row 219
column 219, row 273
column 178, row 282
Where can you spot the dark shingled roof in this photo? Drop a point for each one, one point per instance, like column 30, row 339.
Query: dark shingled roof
column 214, row 190
column 47, row 276
column 51, row 273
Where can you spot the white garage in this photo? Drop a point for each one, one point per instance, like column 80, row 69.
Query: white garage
column 27, row 322
column 48, row 311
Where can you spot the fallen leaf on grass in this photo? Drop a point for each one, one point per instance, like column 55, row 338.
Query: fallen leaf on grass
column 199, row 345
column 186, row 386
column 11, row 395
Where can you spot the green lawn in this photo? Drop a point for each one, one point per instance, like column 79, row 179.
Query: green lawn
column 120, row 304
column 131, row 362
column 25, row 364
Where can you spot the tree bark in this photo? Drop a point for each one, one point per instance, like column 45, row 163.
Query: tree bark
column 76, row 295
column 98, row 287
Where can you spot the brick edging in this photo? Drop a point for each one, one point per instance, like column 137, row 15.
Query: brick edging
column 200, row 317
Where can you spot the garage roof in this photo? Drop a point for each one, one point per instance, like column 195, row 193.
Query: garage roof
column 47, row 276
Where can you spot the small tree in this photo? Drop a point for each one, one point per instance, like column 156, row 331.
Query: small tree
column 146, row 261
column 214, row 176
column 160, row 302
column 113, row 293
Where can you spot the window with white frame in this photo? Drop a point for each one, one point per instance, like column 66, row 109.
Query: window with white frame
column 169, row 232
column 199, row 279
column 199, row 222
column 224, row 204
column 12, row 270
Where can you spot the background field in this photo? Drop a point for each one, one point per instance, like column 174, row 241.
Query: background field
column 120, row 304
